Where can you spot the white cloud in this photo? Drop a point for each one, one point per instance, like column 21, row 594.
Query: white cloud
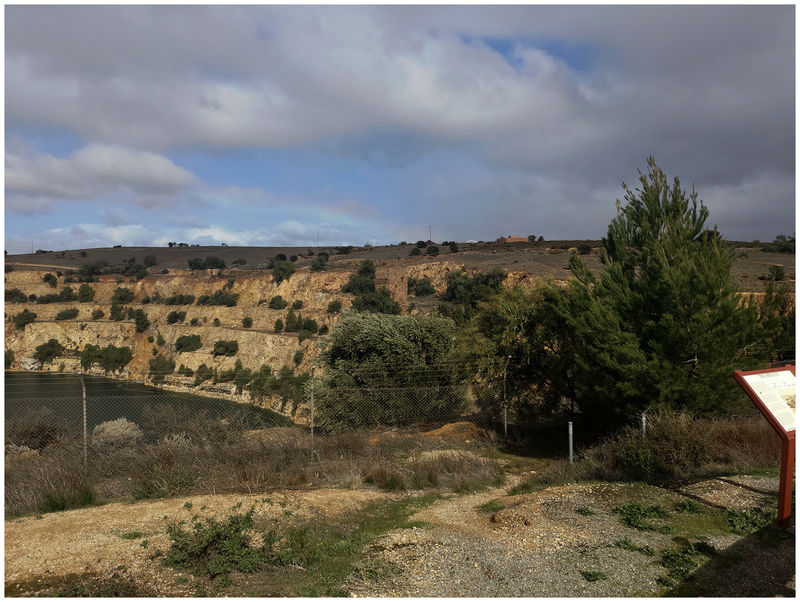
column 82, row 236
column 91, row 172
column 286, row 233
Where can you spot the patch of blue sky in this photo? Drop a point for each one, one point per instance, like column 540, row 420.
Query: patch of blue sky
column 274, row 171
column 578, row 56
column 389, row 181
column 55, row 141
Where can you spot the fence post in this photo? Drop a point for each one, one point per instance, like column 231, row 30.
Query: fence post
column 570, row 442
column 312, row 412
column 505, row 401
column 85, row 454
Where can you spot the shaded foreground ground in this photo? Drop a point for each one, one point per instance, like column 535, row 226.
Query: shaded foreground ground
column 560, row 541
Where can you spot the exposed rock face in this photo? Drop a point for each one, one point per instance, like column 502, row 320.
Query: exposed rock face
column 393, row 277
column 29, row 363
column 258, row 345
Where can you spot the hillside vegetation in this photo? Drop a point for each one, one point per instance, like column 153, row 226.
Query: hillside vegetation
column 650, row 317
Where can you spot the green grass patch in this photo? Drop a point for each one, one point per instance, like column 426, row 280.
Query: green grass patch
column 490, row 507
column 680, row 563
column 711, row 521
column 635, row 515
column 594, row 575
column 689, row 505
column 585, row 511
column 131, row 535
column 628, row 544
column 332, row 549
column 517, row 464
column 247, row 556
column 749, row 521
column 85, row 585
column 538, row 482
column 769, row 471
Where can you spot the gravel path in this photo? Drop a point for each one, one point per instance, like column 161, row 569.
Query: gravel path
column 538, row 545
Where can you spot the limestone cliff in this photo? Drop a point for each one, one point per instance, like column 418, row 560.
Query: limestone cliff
column 258, row 345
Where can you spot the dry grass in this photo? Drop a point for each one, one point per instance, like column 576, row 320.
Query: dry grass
column 219, row 458
column 455, row 470
column 678, row 447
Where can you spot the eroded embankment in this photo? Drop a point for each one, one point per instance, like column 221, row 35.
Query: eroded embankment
column 258, row 344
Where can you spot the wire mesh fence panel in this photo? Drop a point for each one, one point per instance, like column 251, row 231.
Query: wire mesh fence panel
column 490, row 394
column 54, row 404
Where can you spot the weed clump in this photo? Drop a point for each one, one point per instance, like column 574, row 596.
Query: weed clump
column 749, row 521
column 214, row 547
column 490, row 507
column 58, row 500
column 635, row 514
column 680, row 563
column 689, row 505
column 591, row 576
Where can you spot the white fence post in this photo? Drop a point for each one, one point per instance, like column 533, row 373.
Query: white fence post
column 570, row 443
column 505, row 401
column 312, row 412
column 85, row 436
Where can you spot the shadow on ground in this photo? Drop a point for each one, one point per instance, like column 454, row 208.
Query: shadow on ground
column 760, row 565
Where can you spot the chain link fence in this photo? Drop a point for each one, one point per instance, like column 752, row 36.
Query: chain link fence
column 65, row 433
column 40, row 407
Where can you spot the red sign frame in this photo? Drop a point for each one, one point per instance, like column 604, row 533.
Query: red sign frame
column 787, row 442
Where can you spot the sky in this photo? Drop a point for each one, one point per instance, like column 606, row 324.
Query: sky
column 297, row 125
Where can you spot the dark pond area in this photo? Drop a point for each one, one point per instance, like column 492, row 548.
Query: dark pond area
column 50, row 398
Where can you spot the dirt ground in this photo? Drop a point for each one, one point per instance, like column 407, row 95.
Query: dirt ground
column 528, row 545
column 538, row 545
column 89, row 540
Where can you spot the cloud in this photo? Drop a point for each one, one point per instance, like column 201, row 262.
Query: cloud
column 549, row 107
column 286, row 233
column 117, row 217
column 275, row 77
column 735, row 207
column 94, row 171
column 81, row 236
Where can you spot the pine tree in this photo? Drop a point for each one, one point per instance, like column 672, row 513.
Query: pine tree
column 664, row 325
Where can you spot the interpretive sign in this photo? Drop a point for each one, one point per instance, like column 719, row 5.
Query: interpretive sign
column 773, row 392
